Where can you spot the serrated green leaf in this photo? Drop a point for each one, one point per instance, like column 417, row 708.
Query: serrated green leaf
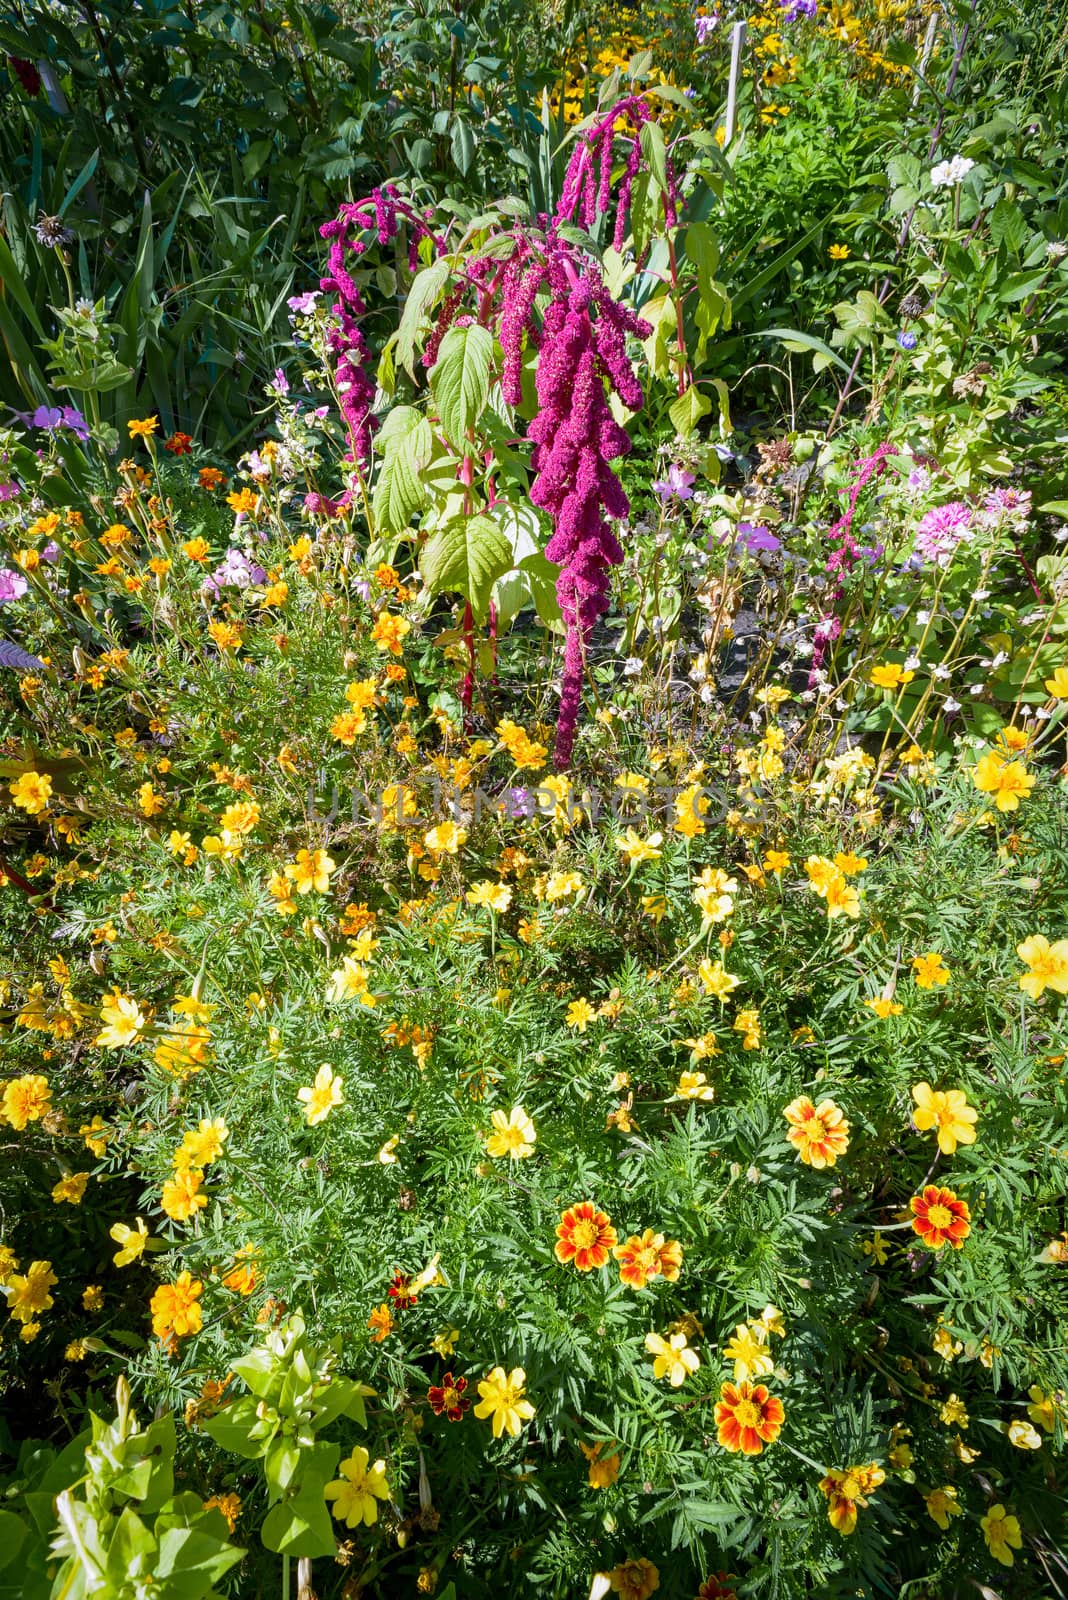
column 460, row 380
column 466, row 557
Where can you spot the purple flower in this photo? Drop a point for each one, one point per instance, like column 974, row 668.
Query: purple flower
column 12, row 585
column 75, row 422
column 281, row 382
column 941, row 531
column 704, row 27
column 304, row 303
column 48, row 418
column 756, row 537
column 50, row 552
column 1010, row 505
column 907, row 341
column 235, row 571
column 9, row 491
column 519, row 802
column 676, row 486
column 793, row 9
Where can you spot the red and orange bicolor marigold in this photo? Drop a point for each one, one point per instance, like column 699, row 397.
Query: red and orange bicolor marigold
column 585, row 1236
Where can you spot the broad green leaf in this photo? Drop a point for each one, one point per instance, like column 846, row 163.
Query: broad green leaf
column 688, row 409
column 424, row 292
column 795, row 340
column 467, row 556
column 399, row 489
column 12, row 1533
column 655, row 153
column 460, row 380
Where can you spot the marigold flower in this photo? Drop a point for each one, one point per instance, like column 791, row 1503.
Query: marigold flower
column 143, row 429
column 27, row 1293
column 585, row 1237
column 748, row 1418
column 494, row 896
column 1044, row 1408
column 132, row 1242
column 648, row 1255
column 92, row 1297
column 579, row 1014
column 1048, row 964
column 948, row 1111
column 515, row 1135
column 31, row 792
column 847, row 1488
column 175, row 1310
column 502, row 1399
column 26, row 1099
column 125, row 1022
column 672, row 1357
column 603, row 1472
column 884, row 1007
column 181, row 1198
column 357, row 1492
column 714, row 980
column 229, row 1505
column 380, row 1322
column 1008, row 781
column 312, row 869
column 1023, row 1436
column 448, row 1397
column 942, row 1504
column 1002, row 1534
column 320, row 1098
column 930, row 969
column 717, row 1587
column 179, row 444
column 749, row 1351
column 940, row 1218
column 634, row 1579
column 71, row 1189
column 820, row 1133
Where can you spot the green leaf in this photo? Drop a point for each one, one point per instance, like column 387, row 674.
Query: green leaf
column 299, row 1527
column 688, row 409
column 655, row 152
column 795, row 340
column 407, row 442
column 467, row 556
column 460, row 379
column 425, row 291
column 12, row 1533
column 79, row 183
column 1007, row 225
column 462, row 145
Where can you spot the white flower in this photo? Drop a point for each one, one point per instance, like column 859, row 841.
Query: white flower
column 632, row 667
column 923, row 618
column 1056, row 250
column 976, row 690
column 941, row 672
column 947, row 173
column 950, row 706
column 912, row 663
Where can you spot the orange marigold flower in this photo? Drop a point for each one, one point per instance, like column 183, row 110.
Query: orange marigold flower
column 821, row 1133
column 748, row 1417
column 211, row 478
column 175, row 1312
column 635, row 1579
column 717, row 1587
column 380, row 1323
column 846, row 1488
column 648, row 1255
column 585, row 1236
column 940, row 1218
column 179, row 444
column 448, row 1397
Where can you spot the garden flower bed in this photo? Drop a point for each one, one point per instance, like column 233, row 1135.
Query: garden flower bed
column 532, row 878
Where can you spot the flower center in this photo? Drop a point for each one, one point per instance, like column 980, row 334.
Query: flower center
column 746, row 1414
column 451, row 1398
column 940, row 1216
column 585, row 1235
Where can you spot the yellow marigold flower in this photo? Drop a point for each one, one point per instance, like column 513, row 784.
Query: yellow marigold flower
column 842, row 899
column 954, row 1413
column 1044, row 1408
column 311, row 870
column 356, row 1493
column 27, row 1294
column 1057, row 686
column 380, row 1322
column 838, row 252
column 636, row 849
column 31, row 791
column 204, row 1144
column 579, row 1014
column 25, row 1100
column 92, row 1297
column 1002, row 1534
column 226, row 635
column 942, row 1504
column 948, row 1111
column 888, row 675
column 196, row 549
column 503, row 1400
column 494, row 896
column 150, row 802
column 132, row 1242
column 71, row 1189
column 143, row 429
column 1008, row 781
column 229, row 1505
column 514, row 1135
column 930, row 969
column 714, row 980
column 320, row 1098
column 1048, row 964
column 672, row 1357
column 748, row 1349
column 693, row 1086
column 124, row 1019
column 446, row 839
column 1023, row 1436
column 847, row 1488
column 884, row 1007
column 181, row 1198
